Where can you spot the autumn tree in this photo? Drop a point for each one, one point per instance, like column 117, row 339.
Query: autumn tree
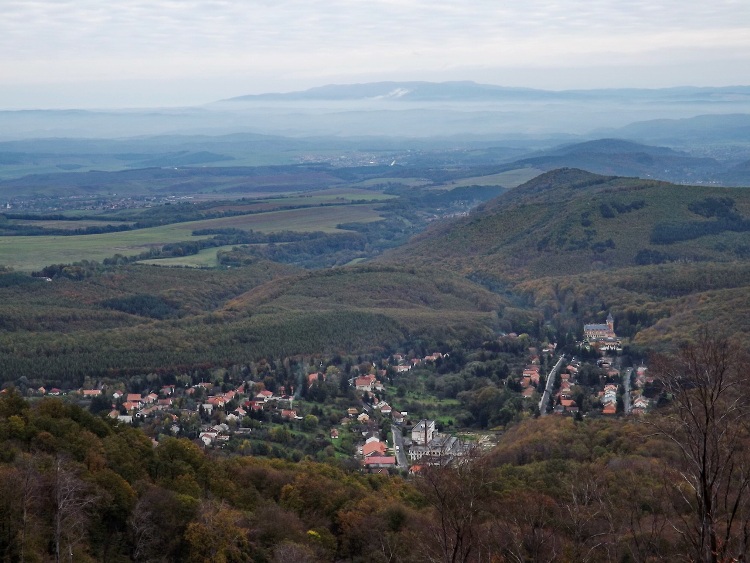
column 707, row 422
column 460, row 495
column 73, row 502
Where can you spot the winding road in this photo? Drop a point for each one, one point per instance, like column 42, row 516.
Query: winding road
column 548, row 388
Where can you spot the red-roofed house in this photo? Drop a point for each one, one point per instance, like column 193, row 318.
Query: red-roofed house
column 264, row 395
column 364, row 383
column 374, row 448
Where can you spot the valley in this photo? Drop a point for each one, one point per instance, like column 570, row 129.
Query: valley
column 248, row 347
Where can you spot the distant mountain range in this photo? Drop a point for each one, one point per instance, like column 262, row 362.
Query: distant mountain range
column 459, row 111
column 472, row 91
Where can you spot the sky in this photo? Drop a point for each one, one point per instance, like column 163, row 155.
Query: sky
column 161, row 53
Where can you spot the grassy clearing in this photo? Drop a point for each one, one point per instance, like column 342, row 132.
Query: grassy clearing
column 206, row 258
column 312, row 219
column 33, row 253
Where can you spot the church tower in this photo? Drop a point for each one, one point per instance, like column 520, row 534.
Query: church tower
column 611, row 323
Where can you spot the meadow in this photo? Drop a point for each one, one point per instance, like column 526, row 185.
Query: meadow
column 29, row 253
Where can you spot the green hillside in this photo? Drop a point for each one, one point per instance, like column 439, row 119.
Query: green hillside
column 141, row 319
column 570, row 221
column 573, row 244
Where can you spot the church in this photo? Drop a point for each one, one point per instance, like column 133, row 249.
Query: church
column 602, row 336
column 596, row 331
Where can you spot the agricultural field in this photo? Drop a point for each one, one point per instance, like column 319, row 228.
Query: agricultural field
column 205, row 258
column 67, row 225
column 28, row 253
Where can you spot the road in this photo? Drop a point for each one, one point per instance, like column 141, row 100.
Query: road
column 548, row 388
column 626, row 396
column 398, row 444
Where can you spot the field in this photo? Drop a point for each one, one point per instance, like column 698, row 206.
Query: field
column 27, row 253
column 67, row 225
column 206, row 258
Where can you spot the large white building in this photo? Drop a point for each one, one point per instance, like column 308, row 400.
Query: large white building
column 423, row 432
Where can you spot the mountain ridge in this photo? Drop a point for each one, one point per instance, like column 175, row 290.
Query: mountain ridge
column 470, row 90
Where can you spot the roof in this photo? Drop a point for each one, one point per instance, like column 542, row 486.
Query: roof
column 372, row 447
column 380, row 460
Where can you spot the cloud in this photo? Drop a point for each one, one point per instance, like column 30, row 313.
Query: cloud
column 68, row 40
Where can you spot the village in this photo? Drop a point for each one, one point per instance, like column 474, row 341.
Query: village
column 364, row 424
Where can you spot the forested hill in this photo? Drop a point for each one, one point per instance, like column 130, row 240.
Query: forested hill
column 626, row 158
column 570, row 221
column 574, row 245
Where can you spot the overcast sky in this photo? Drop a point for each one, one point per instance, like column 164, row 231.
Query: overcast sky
column 135, row 53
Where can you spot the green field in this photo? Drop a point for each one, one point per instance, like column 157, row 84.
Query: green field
column 67, row 225
column 206, row 258
column 27, row 253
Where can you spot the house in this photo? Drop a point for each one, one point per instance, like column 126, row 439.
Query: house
column 264, row 395
column 364, row 417
column 313, row 377
column 288, row 414
column 380, row 462
column 364, row 383
column 610, row 408
column 254, row 406
column 376, row 448
column 334, row 433
column 216, row 401
column 92, row 392
column 133, row 398
column 208, row 437
column 440, row 448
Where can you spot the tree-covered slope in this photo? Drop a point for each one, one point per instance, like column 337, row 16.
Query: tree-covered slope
column 571, row 221
column 142, row 319
column 574, row 245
